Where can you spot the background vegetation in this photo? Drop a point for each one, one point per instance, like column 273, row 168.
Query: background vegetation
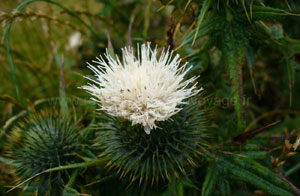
column 246, row 51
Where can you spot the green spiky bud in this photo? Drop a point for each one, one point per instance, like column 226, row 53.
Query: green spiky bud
column 164, row 154
column 41, row 142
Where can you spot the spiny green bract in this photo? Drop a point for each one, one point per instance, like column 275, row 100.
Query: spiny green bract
column 42, row 142
column 162, row 155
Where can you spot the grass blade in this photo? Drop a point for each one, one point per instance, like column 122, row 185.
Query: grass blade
column 206, row 5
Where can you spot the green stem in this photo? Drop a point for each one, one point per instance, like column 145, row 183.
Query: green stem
column 77, row 165
column 71, row 166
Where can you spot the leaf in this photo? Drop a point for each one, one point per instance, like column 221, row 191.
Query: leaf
column 73, row 178
column 224, row 187
column 288, row 47
column 295, row 168
column 209, row 43
column 246, row 176
column 68, row 191
column 188, row 183
column 294, row 45
column 261, row 170
column 245, row 9
column 250, row 58
column 199, row 63
column 234, row 44
column 210, row 25
column 254, row 154
column 176, row 186
column 262, row 13
column 247, row 170
column 210, row 180
column 206, row 5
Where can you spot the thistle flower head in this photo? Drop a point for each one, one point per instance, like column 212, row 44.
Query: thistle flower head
column 160, row 157
column 42, row 141
column 143, row 89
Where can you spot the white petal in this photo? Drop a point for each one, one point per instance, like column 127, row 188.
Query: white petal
column 143, row 89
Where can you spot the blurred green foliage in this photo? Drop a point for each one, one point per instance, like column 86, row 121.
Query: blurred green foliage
column 246, row 51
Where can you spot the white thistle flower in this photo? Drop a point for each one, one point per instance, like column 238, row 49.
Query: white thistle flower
column 143, row 89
